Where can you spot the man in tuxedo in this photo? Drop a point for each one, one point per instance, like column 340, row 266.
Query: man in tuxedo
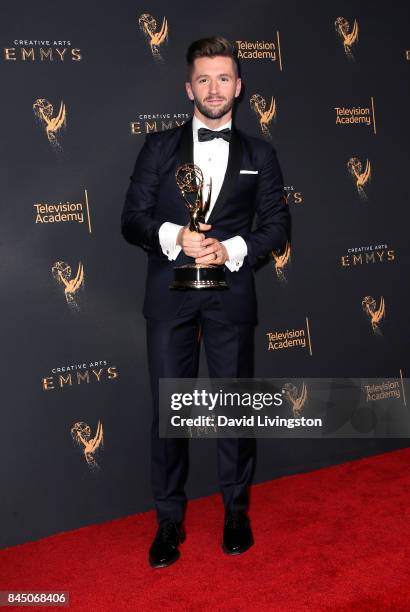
column 246, row 180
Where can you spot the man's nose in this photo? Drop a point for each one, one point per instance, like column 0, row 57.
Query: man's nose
column 213, row 86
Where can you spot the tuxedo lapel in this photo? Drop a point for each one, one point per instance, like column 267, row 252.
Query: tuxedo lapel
column 185, row 152
column 231, row 174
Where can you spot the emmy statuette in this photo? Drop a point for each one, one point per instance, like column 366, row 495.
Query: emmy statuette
column 190, row 182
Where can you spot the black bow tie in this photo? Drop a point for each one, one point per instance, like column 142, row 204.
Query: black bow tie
column 204, row 134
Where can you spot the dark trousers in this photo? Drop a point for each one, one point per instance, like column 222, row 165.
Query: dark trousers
column 173, row 352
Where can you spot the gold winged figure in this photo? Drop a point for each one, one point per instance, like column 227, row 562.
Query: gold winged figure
column 348, row 38
column 375, row 313
column 296, row 400
column 280, row 260
column 258, row 105
column 354, row 166
column 148, row 27
column 44, row 110
column 62, row 273
column 81, row 434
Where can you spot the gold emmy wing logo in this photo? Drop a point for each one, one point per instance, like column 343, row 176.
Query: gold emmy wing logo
column 355, row 167
column 375, row 314
column 148, row 27
column 349, row 38
column 43, row 111
column 295, row 398
column 62, row 273
column 81, row 435
column 258, row 105
column 280, row 260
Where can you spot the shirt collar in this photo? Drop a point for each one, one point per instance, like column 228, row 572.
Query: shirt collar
column 197, row 123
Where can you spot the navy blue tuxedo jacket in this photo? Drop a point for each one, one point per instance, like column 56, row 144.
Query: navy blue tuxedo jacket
column 153, row 198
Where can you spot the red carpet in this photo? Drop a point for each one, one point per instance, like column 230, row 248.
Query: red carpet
column 334, row 539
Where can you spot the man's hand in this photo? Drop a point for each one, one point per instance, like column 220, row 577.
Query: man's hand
column 203, row 250
column 212, row 252
column 192, row 242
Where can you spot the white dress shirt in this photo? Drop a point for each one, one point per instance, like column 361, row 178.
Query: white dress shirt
column 212, row 157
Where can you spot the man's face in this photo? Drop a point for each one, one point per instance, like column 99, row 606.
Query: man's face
column 214, row 86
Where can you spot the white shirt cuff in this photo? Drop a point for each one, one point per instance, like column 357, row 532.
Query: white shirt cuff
column 168, row 233
column 237, row 251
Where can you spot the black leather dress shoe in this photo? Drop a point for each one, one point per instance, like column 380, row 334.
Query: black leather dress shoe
column 237, row 535
column 164, row 549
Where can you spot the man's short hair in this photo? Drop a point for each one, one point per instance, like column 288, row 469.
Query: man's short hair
column 211, row 47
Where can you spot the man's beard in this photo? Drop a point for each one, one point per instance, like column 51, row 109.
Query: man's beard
column 214, row 113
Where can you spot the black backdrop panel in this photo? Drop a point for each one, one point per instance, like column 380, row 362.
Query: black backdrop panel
column 81, row 86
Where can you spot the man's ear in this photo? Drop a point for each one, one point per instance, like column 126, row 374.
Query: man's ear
column 188, row 90
column 238, row 87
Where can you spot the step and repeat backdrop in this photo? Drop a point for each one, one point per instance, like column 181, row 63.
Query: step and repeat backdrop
column 82, row 84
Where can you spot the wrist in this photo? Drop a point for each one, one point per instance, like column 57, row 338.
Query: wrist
column 179, row 237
